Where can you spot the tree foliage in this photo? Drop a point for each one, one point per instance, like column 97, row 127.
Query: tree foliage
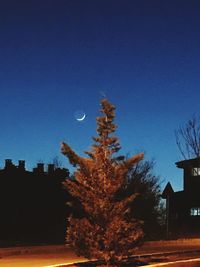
column 147, row 207
column 188, row 138
column 105, row 230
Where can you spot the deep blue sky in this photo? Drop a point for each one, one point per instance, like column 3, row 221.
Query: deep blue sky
column 57, row 57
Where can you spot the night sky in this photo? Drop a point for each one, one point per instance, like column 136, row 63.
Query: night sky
column 58, row 57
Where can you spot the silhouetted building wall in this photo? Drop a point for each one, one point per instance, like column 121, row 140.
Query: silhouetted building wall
column 183, row 207
column 32, row 204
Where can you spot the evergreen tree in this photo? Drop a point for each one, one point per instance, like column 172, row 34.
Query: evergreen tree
column 104, row 231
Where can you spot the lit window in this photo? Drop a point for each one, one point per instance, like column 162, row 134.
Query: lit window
column 196, row 171
column 195, row 211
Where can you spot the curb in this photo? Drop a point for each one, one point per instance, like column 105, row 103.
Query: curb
column 159, row 254
column 191, row 262
column 167, row 253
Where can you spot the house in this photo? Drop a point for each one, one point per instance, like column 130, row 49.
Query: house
column 183, row 207
column 32, row 204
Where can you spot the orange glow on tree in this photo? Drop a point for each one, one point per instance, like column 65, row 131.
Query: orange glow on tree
column 104, row 231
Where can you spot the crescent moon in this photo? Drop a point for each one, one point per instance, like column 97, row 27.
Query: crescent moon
column 82, row 118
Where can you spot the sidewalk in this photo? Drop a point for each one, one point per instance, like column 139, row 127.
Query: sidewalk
column 37, row 256
column 147, row 247
column 40, row 256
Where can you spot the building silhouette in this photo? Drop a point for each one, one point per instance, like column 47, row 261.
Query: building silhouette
column 32, row 204
column 183, row 207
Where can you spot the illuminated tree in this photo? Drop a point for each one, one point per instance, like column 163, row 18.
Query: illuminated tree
column 104, row 231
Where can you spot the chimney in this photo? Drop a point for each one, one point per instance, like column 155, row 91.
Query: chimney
column 8, row 163
column 50, row 168
column 40, row 167
column 21, row 165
